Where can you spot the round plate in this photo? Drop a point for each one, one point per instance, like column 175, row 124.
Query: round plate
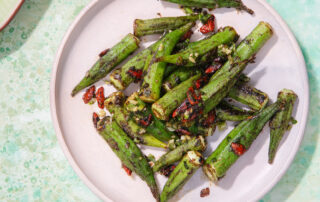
column 278, row 65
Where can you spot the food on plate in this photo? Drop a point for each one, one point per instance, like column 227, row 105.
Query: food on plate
column 187, row 88
column 280, row 123
column 108, row 62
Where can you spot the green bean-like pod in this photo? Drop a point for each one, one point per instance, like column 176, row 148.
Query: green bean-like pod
column 110, row 60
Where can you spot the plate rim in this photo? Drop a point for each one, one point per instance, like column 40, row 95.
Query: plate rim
column 258, row 195
column 7, row 22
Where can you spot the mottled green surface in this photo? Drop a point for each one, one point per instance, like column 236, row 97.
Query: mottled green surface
column 32, row 165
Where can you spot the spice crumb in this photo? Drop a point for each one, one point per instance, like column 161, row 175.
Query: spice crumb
column 205, row 192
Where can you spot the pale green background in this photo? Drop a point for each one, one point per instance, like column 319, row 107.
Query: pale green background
column 32, row 165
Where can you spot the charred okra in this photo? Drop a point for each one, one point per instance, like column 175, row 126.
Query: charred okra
column 151, row 85
column 280, row 123
column 106, row 63
column 128, row 152
column 194, row 144
column 181, row 174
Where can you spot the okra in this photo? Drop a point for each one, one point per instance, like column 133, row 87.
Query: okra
column 226, row 77
column 114, row 104
column 140, row 110
column 250, row 96
column 213, row 4
column 228, row 112
column 121, row 78
column 163, row 108
column 181, row 174
column 237, row 142
column 151, row 86
column 161, row 25
column 280, row 123
column 178, row 76
column 106, row 63
column 194, row 144
column 128, row 152
column 191, row 55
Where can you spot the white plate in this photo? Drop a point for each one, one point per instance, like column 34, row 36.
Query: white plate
column 279, row 64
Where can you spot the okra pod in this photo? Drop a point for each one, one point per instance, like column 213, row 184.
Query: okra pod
column 106, row 63
column 163, row 108
column 213, row 4
column 169, row 69
column 280, row 122
column 228, row 112
column 194, row 144
column 191, row 55
column 151, row 86
column 226, row 77
column 114, row 104
column 128, row 152
column 178, row 76
column 248, row 95
column 237, row 142
column 140, row 110
column 121, row 78
column 181, row 174
column 160, row 25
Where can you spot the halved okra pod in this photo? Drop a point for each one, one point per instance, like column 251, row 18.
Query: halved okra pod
column 226, row 77
column 248, row 95
column 160, row 25
column 151, row 85
column 110, row 60
column 163, row 108
column 228, row 112
column 191, row 55
column 128, row 152
column 213, row 4
column 181, row 174
column 114, row 104
column 194, row 144
column 237, row 142
column 280, row 122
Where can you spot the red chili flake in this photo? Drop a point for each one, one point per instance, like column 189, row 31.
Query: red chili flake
column 187, row 35
column 104, row 52
column 209, row 26
column 89, row 94
column 183, row 131
column 210, row 119
column 200, row 82
column 136, row 74
column 100, row 97
column 95, row 119
column 238, row 148
column 146, row 121
column 180, row 109
column 205, row 192
column 166, row 171
column 192, row 96
column 212, row 68
column 128, row 171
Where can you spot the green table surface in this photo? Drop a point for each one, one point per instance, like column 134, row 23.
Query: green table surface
column 32, row 164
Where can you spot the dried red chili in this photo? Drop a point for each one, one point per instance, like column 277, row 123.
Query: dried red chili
column 210, row 119
column 200, row 82
column 104, row 52
column 209, row 26
column 128, row 171
column 180, row 109
column 95, row 119
column 238, row 148
column 100, row 97
column 166, row 171
column 146, row 121
column 205, row 192
column 135, row 73
column 187, row 35
column 213, row 68
column 183, row 131
column 89, row 94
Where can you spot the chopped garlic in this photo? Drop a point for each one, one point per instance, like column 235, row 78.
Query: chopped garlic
column 102, row 113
